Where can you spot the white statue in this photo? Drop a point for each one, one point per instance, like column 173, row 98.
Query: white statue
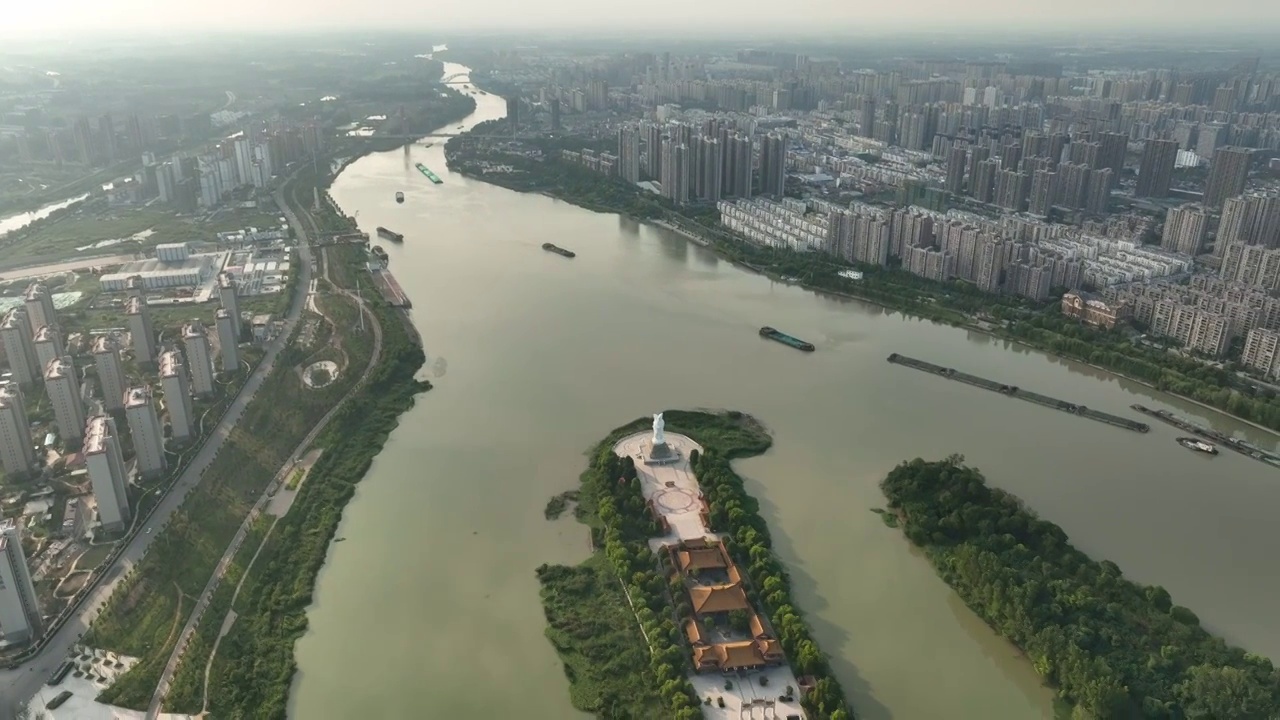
column 658, row 424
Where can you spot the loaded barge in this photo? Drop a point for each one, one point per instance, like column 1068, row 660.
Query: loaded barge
column 1017, row 392
column 392, row 236
column 430, row 175
column 549, row 247
column 785, row 339
column 1214, row 436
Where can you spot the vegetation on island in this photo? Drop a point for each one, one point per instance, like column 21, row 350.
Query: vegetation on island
column 1111, row 647
column 559, row 503
column 606, row 674
column 954, row 302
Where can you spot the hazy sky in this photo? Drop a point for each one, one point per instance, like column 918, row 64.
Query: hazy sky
column 119, row 17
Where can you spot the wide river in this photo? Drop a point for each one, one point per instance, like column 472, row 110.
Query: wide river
column 430, row 608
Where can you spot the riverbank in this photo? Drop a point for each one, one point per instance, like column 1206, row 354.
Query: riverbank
column 624, row 531
column 1041, row 327
column 1111, row 647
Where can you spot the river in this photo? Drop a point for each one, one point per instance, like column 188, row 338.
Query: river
column 17, row 221
column 430, row 609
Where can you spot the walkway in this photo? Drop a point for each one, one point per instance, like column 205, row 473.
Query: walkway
column 678, row 498
column 166, row 678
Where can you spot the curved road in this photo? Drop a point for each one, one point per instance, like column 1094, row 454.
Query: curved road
column 19, row 685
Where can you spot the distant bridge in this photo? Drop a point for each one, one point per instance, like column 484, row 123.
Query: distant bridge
column 456, row 79
column 424, row 136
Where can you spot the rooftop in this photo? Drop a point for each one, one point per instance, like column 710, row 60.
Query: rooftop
column 135, row 305
column 36, row 290
column 103, row 345
column 137, row 396
column 225, row 280
column 170, row 364
column 222, row 313
column 12, row 320
column 58, row 368
column 8, row 394
column 45, row 334
column 193, row 330
column 96, row 432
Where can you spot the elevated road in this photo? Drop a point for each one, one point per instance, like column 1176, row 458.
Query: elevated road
column 17, row 686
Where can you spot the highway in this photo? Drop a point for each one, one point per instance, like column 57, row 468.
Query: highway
column 19, row 685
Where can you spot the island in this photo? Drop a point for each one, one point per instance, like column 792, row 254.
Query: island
column 682, row 604
column 1111, row 647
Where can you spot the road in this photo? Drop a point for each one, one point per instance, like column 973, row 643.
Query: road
column 197, row 611
column 19, row 685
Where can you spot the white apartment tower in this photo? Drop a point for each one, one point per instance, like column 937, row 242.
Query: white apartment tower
column 15, row 331
column 197, row 345
column 48, row 344
column 227, row 341
column 145, row 430
column 106, row 356
column 227, row 296
column 106, row 472
column 16, row 455
column 143, row 334
column 39, row 304
column 64, row 394
column 20, row 619
column 177, row 394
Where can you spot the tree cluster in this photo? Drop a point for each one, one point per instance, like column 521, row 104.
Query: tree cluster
column 1114, row 648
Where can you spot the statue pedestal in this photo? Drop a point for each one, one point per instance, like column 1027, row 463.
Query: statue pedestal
column 660, row 454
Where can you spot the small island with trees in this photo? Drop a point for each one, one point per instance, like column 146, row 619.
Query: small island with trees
column 658, row 623
column 1111, row 647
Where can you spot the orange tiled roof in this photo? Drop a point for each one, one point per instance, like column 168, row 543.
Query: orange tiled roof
column 718, row 598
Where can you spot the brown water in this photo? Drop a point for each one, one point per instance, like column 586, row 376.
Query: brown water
column 430, row 608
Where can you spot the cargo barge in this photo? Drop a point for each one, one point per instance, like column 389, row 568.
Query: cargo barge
column 1017, row 392
column 1213, row 436
column 785, row 339
column 390, row 289
column 389, row 235
column 1197, row 445
column 430, row 175
column 558, row 250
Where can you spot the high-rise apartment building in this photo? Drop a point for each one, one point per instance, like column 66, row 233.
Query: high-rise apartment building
column 708, row 170
column 1262, row 351
column 177, row 395
column 1044, row 192
column 773, row 165
column 677, row 171
column 39, row 304
column 145, row 430
column 629, row 154
column 196, row 344
column 64, row 394
column 106, row 357
column 1155, row 169
column 48, row 344
column 105, row 462
column 16, row 454
column 1253, row 219
column 653, row 150
column 1098, row 196
column 984, row 180
column 227, row 289
column 20, row 619
column 15, row 331
column 1228, row 173
column 141, row 332
column 738, row 171
column 1185, row 229
column 956, row 160
column 227, row 341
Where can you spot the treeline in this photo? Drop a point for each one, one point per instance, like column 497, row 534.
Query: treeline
column 736, row 513
column 1113, row 648
column 1171, row 372
column 254, row 667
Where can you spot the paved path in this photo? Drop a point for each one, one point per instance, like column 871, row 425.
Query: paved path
column 20, row 684
column 197, row 612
